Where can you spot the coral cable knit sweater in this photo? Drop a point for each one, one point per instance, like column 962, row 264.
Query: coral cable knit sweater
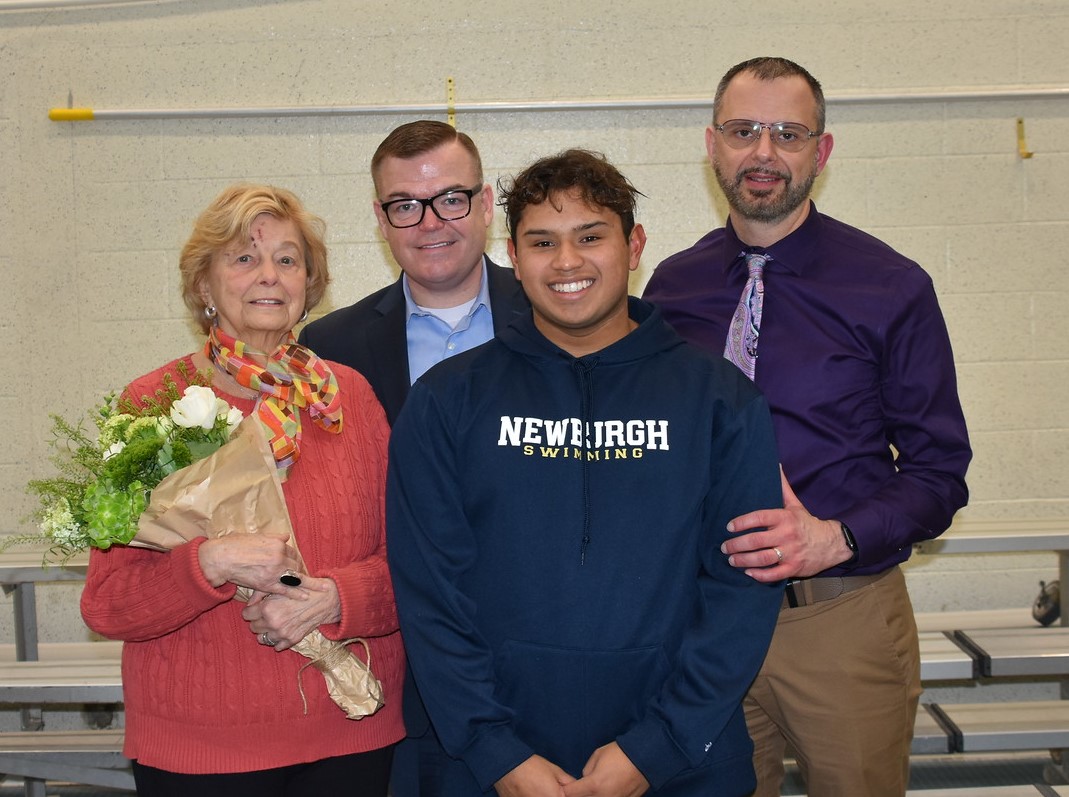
column 202, row 696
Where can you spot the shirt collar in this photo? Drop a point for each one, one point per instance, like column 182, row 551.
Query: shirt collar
column 482, row 298
column 793, row 253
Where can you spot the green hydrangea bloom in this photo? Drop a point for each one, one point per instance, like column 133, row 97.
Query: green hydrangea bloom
column 111, row 515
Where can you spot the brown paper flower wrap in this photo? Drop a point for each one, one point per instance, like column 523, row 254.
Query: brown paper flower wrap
column 237, row 490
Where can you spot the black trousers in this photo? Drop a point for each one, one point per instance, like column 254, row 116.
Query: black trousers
column 357, row 775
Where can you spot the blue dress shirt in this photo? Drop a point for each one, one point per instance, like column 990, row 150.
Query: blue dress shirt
column 431, row 340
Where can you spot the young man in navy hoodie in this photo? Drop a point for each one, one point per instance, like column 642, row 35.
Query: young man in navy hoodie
column 557, row 502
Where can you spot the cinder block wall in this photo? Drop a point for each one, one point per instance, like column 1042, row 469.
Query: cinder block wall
column 92, row 214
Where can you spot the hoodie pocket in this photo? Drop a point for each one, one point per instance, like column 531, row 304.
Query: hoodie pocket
column 569, row 701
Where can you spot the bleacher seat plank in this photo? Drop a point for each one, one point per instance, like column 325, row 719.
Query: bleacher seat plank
column 90, row 757
column 25, row 564
column 108, row 650
column 929, row 736
column 68, row 681
column 942, row 659
column 1017, row 617
column 987, row 791
column 1000, row 536
column 979, row 791
column 1003, row 726
column 1018, row 651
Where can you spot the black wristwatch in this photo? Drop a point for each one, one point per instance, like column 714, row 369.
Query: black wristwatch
column 851, row 543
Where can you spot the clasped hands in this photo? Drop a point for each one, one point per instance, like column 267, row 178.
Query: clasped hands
column 791, row 544
column 281, row 621
column 256, row 561
column 608, row 773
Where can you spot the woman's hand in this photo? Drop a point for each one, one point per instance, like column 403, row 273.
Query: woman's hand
column 287, row 621
column 250, row 560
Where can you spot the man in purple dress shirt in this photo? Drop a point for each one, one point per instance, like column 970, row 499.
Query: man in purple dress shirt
column 855, row 361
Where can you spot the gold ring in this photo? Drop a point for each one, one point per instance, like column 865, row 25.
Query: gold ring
column 779, row 554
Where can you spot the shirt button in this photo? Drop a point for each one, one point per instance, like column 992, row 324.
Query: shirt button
column 451, row 346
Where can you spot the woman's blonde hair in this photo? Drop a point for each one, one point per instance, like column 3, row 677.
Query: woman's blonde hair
column 229, row 218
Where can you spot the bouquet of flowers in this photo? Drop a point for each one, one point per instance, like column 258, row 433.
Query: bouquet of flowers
column 177, row 468
column 104, row 484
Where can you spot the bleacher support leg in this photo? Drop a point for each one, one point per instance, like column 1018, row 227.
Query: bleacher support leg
column 1056, row 770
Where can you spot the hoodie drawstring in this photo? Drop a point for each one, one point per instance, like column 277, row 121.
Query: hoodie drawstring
column 583, row 369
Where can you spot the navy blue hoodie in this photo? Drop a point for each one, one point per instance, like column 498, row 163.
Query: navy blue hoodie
column 553, row 529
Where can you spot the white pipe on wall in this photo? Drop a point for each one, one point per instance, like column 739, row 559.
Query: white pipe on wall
column 974, row 95
column 29, row 5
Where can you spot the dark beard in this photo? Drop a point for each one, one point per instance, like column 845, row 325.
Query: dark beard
column 757, row 206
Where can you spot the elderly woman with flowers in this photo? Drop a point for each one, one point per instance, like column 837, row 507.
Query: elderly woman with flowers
column 215, row 701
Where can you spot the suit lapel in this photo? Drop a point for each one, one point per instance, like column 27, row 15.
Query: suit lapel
column 388, row 347
column 507, row 299
column 387, row 341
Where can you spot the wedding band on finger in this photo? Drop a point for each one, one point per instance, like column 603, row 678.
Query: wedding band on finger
column 779, row 555
column 266, row 640
column 290, row 579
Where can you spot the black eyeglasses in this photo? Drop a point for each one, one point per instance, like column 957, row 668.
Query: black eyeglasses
column 451, row 205
column 744, row 133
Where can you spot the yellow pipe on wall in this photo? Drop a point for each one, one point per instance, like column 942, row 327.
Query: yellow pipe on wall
column 71, row 114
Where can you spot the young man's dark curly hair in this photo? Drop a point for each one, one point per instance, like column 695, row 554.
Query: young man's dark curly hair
column 588, row 174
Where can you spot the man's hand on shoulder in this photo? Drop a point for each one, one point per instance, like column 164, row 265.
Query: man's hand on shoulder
column 793, row 543
column 609, row 773
column 535, row 777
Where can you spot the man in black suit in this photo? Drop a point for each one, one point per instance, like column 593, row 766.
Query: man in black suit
column 433, row 209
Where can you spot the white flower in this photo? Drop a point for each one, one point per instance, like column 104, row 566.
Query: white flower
column 197, row 407
column 114, row 449
column 233, row 418
column 59, row 524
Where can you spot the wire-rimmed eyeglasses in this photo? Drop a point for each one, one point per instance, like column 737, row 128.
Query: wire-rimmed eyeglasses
column 744, row 133
column 451, row 205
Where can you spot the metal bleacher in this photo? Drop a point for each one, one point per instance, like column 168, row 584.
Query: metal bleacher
column 983, row 646
column 33, row 675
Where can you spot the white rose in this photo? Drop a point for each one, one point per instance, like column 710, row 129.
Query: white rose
column 197, row 407
column 233, row 418
column 114, row 449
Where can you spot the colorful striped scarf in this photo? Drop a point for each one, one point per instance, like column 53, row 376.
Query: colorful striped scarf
column 294, row 379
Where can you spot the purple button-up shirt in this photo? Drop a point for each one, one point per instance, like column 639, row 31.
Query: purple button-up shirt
column 856, row 364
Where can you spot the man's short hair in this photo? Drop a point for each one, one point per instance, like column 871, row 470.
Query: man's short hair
column 597, row 182
column 770, row 68
column 418, row 138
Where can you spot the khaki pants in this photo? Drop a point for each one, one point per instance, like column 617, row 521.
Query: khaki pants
column 840, row 685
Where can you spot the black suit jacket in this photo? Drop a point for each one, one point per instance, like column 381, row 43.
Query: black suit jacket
column 369, row 336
